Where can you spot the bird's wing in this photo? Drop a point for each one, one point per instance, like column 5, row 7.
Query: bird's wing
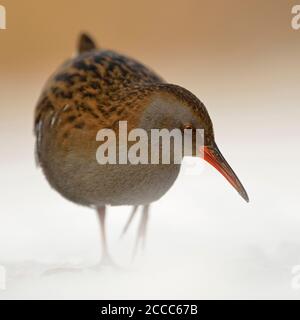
column 43, row 111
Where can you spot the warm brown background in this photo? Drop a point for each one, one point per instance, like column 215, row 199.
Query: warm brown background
column 200, row 31
column 242, row 58
column 221, row 46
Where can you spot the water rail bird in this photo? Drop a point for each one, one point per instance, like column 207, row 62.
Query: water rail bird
column 97, row 89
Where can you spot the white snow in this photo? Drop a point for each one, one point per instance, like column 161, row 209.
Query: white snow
column 204, row 241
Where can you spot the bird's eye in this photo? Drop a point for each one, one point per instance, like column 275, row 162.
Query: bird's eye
column 188, row 127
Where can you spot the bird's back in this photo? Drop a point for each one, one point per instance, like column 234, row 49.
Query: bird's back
column 101, row 76
column 94, row 90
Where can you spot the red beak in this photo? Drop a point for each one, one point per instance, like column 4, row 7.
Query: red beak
column 214, row 157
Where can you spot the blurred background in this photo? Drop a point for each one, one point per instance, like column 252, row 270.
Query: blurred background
column 241, row 58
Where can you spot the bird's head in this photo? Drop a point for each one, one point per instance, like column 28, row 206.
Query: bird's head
column 174, row 107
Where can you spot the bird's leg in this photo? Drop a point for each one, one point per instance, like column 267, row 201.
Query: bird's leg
column 106, row 259
column 133, row 212
column 144, row 223
column 141, row 236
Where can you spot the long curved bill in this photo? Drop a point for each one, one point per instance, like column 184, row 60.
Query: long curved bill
column 214, row 157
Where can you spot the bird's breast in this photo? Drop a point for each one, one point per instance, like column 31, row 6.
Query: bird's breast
column 90, row 183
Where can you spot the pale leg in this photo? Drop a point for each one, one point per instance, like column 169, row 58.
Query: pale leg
column 106, row 259
column 141, row 236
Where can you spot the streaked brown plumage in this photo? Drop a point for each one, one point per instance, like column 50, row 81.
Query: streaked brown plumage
column 96, row 90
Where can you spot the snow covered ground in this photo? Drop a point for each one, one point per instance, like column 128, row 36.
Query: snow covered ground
column 204, row 241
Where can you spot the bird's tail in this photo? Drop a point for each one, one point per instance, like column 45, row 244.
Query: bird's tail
column 133, row 212
column 85, row 43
